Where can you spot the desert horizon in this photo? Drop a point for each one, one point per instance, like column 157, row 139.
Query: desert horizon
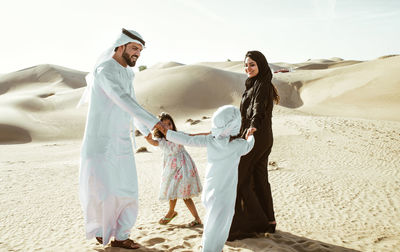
column 334, row 168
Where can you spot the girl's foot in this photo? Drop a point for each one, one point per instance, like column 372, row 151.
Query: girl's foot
column 165, row 220
column 194, row 223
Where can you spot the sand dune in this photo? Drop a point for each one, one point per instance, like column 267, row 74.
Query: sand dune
column 325, row 87
column 237, row 66
column 161, row 65
column 325, row 65
column 334, row 181
column 366, row 90
column 41, row 101
column 202, row 89
column 334, row 167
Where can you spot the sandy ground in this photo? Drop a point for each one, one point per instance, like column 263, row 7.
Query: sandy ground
column 335, row 178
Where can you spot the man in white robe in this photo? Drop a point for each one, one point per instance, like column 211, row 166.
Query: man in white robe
column 108, row 180
column 223, row 155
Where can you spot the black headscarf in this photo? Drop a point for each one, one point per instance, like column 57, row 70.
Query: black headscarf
column 264, row 72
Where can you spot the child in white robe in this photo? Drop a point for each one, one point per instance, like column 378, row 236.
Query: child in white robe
column 223, row 155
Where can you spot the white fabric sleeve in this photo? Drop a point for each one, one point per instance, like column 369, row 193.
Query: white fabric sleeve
column 248, row 146
column 136, row 123
column 185, row 139
column 123, row 99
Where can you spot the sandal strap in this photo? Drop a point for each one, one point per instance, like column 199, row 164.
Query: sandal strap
column 99, row 239
column 194, row 223
column 169, row 219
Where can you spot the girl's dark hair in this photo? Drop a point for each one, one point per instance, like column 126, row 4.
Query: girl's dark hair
column 164, row 116
column 264, row 72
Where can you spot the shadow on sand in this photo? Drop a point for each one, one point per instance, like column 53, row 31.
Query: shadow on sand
column 283, row 241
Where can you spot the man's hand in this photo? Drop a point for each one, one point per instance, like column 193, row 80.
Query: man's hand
column 250, row 132
column 161, row 127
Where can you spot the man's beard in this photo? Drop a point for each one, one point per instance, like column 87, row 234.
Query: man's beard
column 129, row 60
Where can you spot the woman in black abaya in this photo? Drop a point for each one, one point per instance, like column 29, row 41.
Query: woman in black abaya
column 254, row 211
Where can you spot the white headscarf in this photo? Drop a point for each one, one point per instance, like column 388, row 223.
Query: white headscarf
column 226, row 122
column 125, row 37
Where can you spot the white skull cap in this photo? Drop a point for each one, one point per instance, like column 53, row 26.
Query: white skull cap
column 226, row 122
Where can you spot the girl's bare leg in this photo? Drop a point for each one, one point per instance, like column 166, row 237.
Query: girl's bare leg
column 171, row 211
column 192, row 208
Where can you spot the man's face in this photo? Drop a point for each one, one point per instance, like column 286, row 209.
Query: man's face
column 131, row 53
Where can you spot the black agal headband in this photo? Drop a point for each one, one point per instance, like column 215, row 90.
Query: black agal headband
column 133, row 36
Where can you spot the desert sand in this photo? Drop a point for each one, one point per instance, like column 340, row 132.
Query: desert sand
column 334, row 167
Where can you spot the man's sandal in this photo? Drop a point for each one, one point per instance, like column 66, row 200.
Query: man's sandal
column 165, row 220
column 126, row 244
column 194, row 223
column 99, row 239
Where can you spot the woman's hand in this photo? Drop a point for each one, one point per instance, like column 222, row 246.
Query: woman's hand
column 250, row 132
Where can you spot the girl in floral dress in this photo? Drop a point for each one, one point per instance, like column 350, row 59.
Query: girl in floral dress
column 180, row 179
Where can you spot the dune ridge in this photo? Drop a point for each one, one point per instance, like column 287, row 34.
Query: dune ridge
column 334, row 167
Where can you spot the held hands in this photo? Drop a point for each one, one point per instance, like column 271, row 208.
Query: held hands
column 199, row 134
column 161, row 127
column 250, row 132
column 150, row 140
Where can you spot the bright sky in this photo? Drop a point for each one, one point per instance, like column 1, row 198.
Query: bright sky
column 72, row 33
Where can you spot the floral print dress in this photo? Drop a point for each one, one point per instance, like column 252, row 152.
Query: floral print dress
column 180, row 179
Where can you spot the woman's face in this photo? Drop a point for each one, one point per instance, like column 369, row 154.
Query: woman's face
column 168, row 123
column 250, row 67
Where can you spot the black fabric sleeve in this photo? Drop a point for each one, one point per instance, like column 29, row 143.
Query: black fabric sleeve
column 261, row 95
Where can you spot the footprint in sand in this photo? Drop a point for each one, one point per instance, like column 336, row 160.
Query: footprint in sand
column 195, row 122
column 45, row 95
column 142, row 149
column 187, row 244
column 190, row 237
column 176, row 248
column 192, row 122
column 272, row 163
column 154, row 241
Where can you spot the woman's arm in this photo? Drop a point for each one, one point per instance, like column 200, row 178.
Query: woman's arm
column 261, row 96
column 150, row 140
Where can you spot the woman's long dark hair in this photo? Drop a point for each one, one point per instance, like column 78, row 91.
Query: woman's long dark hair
column 164, row 116
column 264, row 72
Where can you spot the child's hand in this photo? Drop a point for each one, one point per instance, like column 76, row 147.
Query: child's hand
column 250, row 132
column 199, row 134
column 149, row 136
column 150, row 140
column 161, row 127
